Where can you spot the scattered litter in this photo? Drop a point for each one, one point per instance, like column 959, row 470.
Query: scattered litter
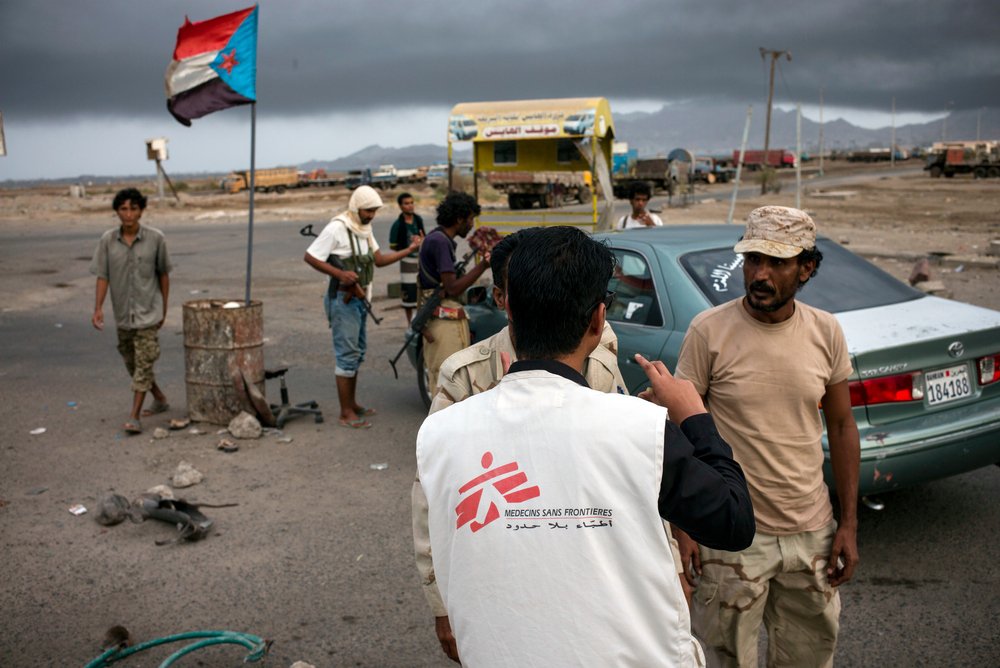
column 112, row 509
column 227, row 446
column 271, row 431
column 360, row 557
column 198, row 292
column 245, row 425
column 285, row 439
column 164, row 492
column 187, row 475
column 179, row 423
column 210, row 215
column 960, row 268
column 194, row 431
column 35, row 491
column 160, row 433
column 221, row 432
column 37, row 431
column 301, row 664
column 232, row 305
column 190, row 522
column 381, row 466
column 58, row 325
column 71, row 404
column 78, row 509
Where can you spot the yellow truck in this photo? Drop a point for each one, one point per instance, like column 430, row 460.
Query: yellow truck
column 278, row 179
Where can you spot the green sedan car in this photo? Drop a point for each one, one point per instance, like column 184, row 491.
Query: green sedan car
column 926, row 383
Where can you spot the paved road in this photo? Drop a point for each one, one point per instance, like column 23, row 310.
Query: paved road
column 317, row 555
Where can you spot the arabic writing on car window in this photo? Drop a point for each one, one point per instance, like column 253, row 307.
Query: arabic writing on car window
column 723, row 271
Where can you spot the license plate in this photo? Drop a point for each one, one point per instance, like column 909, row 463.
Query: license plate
column 945, row 385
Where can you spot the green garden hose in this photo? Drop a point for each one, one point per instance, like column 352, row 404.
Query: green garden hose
column 258, row 647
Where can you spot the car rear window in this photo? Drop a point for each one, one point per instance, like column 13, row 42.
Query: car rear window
column 844, row 282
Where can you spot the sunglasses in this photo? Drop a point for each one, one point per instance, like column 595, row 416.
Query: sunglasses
column 607, row 300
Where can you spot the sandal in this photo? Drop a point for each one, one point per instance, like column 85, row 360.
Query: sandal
column 365, row 412
column 132, row 426
column 157, row 407
column 359, row 423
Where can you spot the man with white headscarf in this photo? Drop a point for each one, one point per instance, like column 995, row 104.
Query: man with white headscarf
column 347, row 252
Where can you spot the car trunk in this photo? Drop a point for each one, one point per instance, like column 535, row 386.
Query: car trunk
column 922, row 358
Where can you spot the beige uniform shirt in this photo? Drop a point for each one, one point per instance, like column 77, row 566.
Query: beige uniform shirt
column 762, row 384
column 477, row 369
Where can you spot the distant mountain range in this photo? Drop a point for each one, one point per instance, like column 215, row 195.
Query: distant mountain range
column 715, row 130
column 703, row 130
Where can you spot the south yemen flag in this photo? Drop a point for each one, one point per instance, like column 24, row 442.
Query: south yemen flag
column 214, row 65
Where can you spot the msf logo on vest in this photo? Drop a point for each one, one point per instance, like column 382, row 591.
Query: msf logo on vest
column 500, row 484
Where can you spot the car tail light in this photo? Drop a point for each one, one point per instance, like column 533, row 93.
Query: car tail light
column 887, row 389
column 989, row 369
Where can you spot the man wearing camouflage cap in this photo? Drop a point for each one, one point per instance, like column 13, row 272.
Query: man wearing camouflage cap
column 764, row 364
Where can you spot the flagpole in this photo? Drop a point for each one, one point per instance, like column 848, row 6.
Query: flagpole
column 253, row 179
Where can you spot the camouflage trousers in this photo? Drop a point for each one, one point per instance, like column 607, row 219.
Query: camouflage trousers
column 780, row 580
column 449, row 336
column 139, row 348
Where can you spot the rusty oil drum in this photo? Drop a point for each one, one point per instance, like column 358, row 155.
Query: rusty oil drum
column 221, row 347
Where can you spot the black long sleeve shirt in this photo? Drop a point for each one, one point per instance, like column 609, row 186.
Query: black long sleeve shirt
column 702, row 489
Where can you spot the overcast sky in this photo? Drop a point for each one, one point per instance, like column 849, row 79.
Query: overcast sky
column 81, row 81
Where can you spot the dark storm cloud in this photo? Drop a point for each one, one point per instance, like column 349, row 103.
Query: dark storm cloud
column 61, row 59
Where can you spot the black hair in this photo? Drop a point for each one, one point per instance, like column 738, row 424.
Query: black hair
column 501, row 253
column 555, row 278
column 807, row 254
column 129, row 195
column 640, row 188
column 401, row 197
column 455, row 207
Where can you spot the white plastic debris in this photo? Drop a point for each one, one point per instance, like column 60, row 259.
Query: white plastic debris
column 78, row 509
column 37, row 431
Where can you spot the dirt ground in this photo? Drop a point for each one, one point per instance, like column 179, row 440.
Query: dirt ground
column 318, row 554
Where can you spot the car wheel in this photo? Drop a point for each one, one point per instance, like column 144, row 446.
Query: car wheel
column 423, row 378
column 280, row 190
column 980, row 173
column 993, row 172
column 936, row 172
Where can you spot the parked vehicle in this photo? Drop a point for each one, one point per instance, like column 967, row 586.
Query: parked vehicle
column 276, row 180
column 653, row 171
column 546, row 189
column 981, row 159
column 877, row 155
column 437, row 174
column 358, row 177
column 319, row 178
column 712, row 170
column 775, row 157
column 926, row 384
column 385, row 177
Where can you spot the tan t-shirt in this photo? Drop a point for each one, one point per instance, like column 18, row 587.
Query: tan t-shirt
column 763, row 384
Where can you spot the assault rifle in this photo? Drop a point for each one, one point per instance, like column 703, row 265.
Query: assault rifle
column 354, row 291
column 482, row 240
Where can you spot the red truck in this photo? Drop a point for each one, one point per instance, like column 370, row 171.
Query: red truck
column 776, row 157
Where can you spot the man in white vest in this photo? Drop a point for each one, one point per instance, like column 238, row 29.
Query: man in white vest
column 545, row 524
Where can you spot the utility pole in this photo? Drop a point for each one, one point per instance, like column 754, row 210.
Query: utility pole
column 821, row 131
column 892, row 142
column 764, row 53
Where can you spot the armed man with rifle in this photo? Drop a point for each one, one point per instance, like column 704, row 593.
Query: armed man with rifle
column 349, row 238
column 447, row 331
